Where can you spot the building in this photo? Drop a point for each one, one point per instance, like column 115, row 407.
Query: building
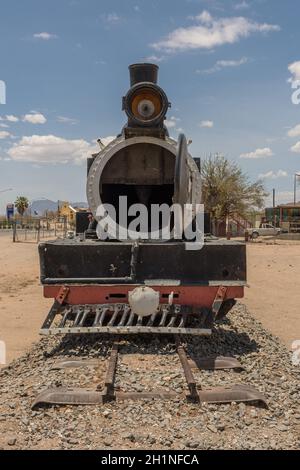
column 68, row 212
column 285, row 216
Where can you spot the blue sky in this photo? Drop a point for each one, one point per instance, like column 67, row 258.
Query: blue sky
column 227, row 67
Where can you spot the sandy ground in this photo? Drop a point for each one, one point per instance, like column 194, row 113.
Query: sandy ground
column 273, row 298
column 274, row 293
column 22, row 306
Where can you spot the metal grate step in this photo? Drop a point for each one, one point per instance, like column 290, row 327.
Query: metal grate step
column 118, row 319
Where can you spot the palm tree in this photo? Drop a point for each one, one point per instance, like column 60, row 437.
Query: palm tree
column 21, row 204
column 227, row 191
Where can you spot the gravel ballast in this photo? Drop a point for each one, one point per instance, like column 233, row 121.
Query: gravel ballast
column 151, row 363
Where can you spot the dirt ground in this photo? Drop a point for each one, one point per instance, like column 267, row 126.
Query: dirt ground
column 22, row 306
column 274, row 293
column 273, row 296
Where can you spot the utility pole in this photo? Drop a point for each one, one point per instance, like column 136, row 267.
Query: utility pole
column 297, row 175
column 274, row 204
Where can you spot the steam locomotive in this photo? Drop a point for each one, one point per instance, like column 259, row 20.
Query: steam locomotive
column 126, row 286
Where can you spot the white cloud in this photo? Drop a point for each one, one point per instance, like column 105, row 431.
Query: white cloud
column 241, row 6
column 210, row 33
column 204, row 17
column 36, row 118
column 33, row 118
column 294, row 69
column 294, row 132
column 208, row 124
column 273, row 175
column 11, row 118
column 50, row 149
column 155, row 58
column 221, row 64
column 4, row 135
column 67, row 120
column 4, row 126
column 111, row 18
column 296, row 148
column 258, row 153
column 172, row 122
column 45, row 36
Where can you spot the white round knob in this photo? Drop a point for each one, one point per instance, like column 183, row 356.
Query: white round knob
column 143, row 301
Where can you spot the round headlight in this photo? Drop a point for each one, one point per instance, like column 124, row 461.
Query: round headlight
column 146, row 104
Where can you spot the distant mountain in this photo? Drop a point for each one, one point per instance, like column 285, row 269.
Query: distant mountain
column 39, row 207
column 82, row 205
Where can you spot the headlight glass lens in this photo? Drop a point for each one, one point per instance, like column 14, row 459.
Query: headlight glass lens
column 146, row 105
column 146, row 109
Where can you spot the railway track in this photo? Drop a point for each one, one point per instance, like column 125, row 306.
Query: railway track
column 194, row 393
column 151, row 364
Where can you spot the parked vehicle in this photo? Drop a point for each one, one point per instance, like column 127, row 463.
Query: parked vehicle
column 264, row 230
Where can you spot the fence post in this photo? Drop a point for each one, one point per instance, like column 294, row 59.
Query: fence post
column 14, row 231
column 38, row 232
column 65, row 227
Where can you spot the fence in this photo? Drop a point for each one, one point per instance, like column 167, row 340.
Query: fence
column 38, row 229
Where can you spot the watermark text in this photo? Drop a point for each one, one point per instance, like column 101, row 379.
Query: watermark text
column 296, row 93
column 157, row 222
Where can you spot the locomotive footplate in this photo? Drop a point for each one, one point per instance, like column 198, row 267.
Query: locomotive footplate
column 195, row 393
column 119, row 319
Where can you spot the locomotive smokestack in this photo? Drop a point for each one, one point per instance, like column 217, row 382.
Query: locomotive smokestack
column 143, row 73
column 145, row 104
